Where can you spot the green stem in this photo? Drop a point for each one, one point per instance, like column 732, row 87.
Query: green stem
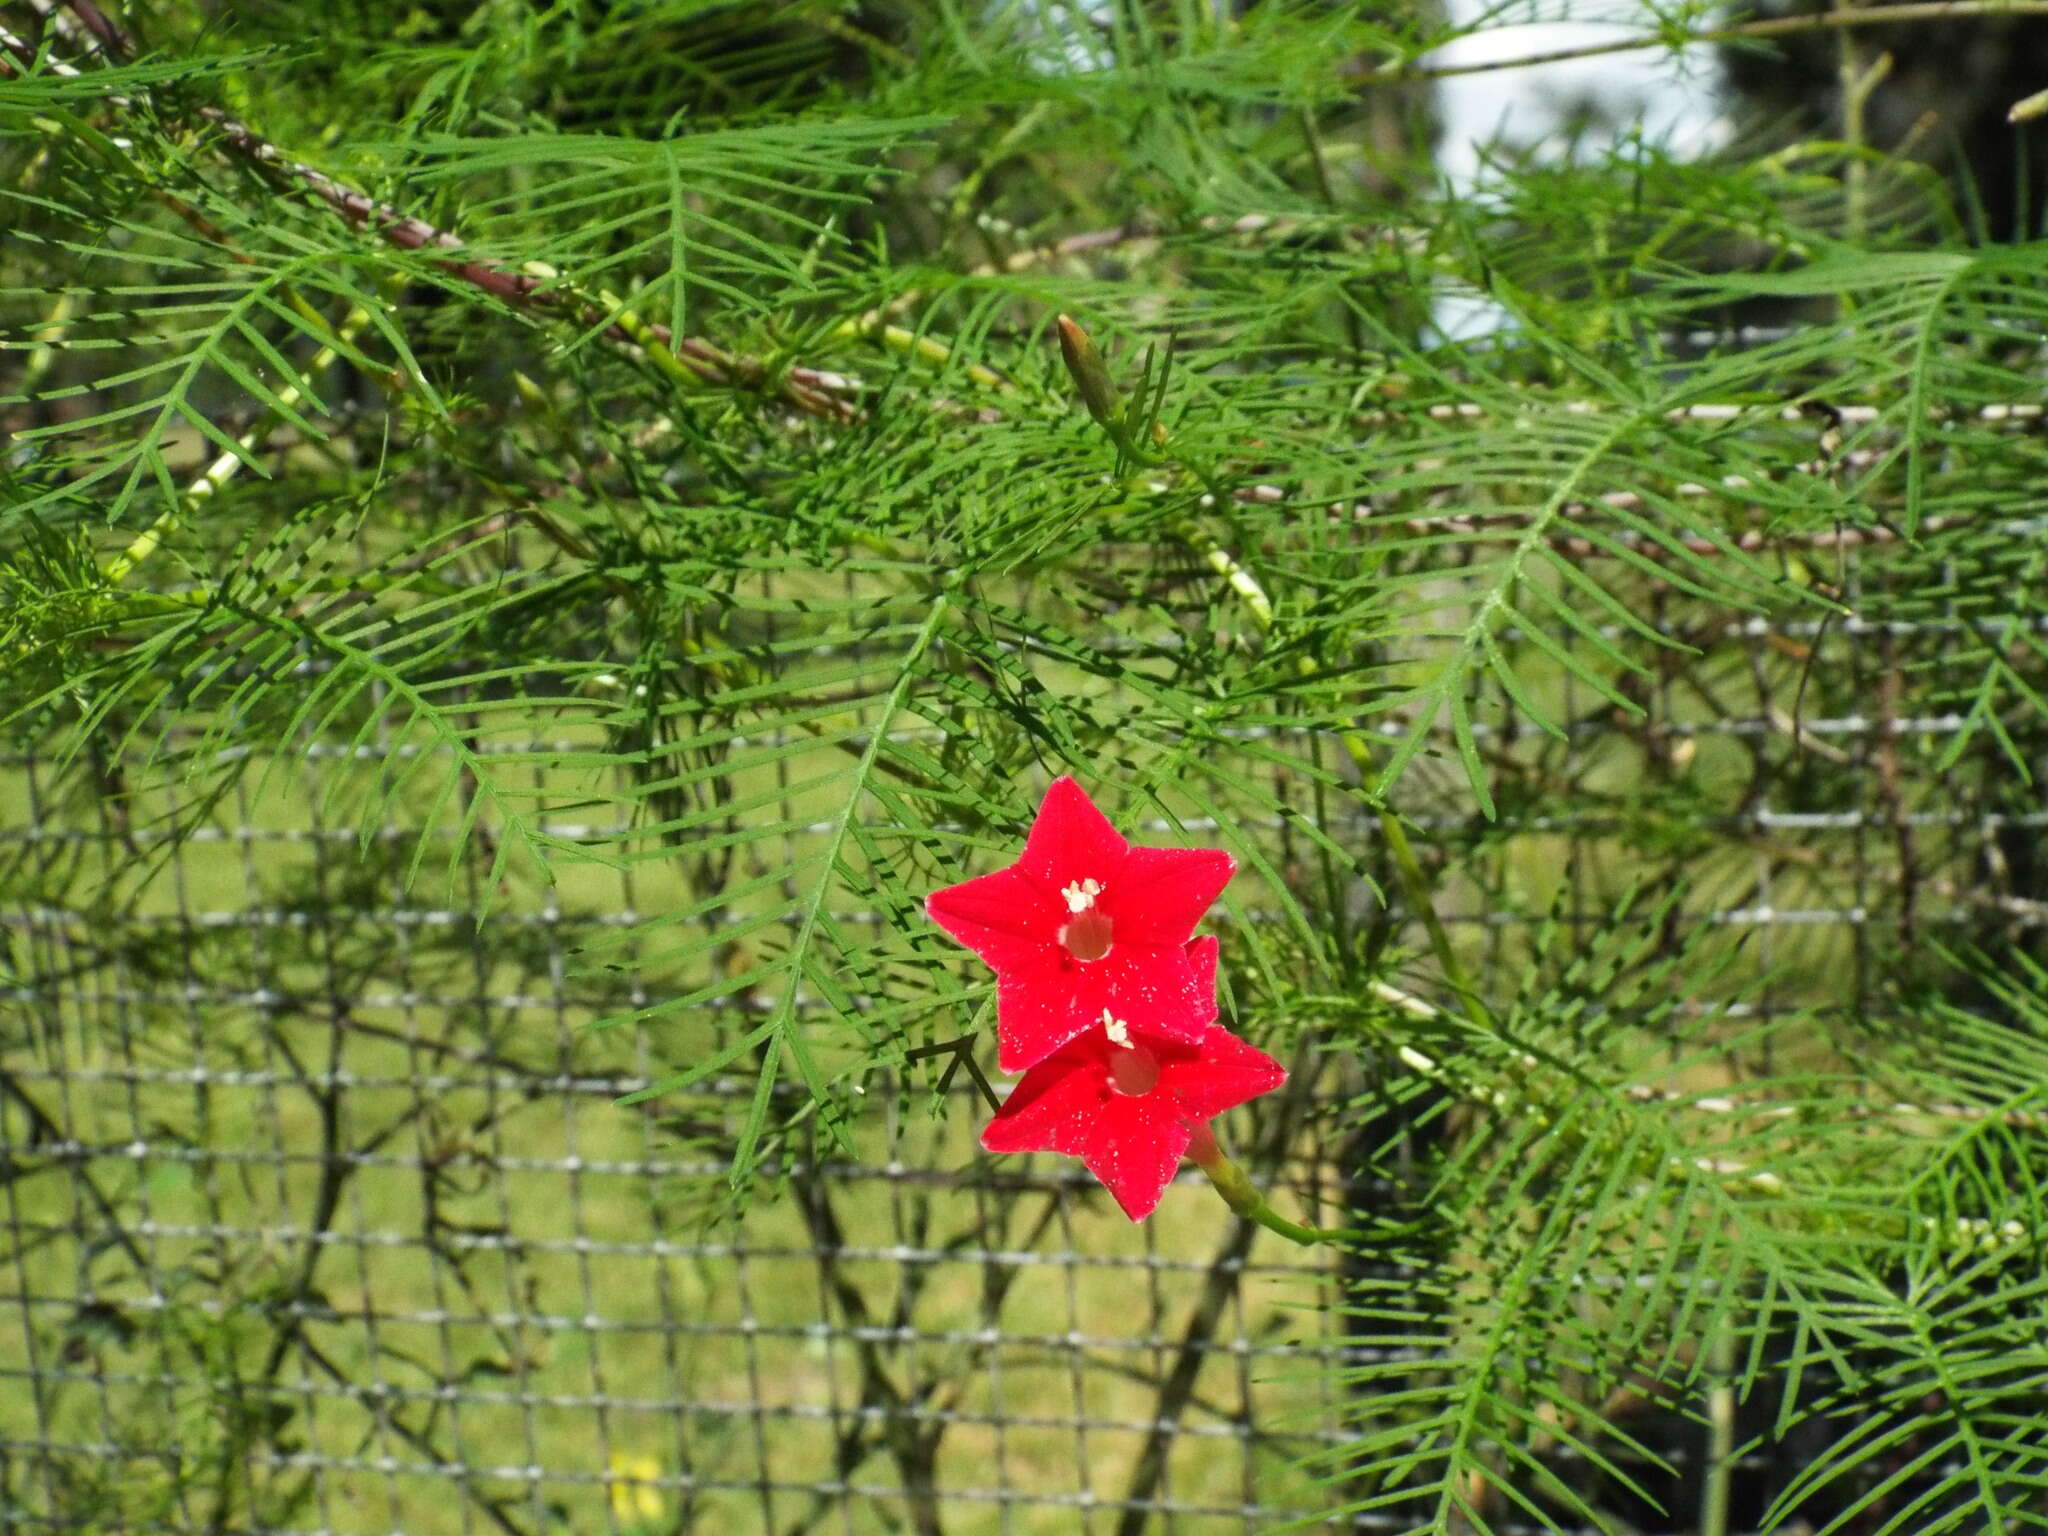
column 1090, row 374
column 1720, row 1468
column 1243, row 1197
column 49, row 337
column 1857, row 85
column 223, row 469
column 875, row 327
column 1416, row 887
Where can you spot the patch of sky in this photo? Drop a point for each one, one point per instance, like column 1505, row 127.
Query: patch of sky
column 1575, row 106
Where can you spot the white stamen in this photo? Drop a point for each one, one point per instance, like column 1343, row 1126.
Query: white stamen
column 1118, row 1031
column 1081, row 894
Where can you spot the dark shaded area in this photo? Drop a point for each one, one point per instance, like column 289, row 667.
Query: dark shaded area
column 1943, row 101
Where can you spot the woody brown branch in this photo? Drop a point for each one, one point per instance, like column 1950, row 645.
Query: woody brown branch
column 810, row 390
column 817, row 392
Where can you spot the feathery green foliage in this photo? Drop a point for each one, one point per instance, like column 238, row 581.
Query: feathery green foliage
column 638, row 429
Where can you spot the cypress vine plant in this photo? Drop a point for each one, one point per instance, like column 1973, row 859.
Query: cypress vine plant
column 663, row 428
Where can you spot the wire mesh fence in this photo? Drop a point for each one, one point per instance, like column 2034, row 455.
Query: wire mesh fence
column 319, row 1213
column 320, row 1216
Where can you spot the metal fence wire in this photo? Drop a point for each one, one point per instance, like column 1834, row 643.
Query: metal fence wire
column 319, row 1214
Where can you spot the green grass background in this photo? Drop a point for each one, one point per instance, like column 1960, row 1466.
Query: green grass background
column 576, row 1270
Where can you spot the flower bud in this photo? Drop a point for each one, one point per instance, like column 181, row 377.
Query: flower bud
column 1085, row 365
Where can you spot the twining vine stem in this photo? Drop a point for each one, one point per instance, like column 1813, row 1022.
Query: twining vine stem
column 809, row 390
column 691, row 361
column 1743, row 31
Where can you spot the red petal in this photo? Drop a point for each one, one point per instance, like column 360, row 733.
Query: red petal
column 1005, row 918
column 1135, row 1151
column 1224, row 1074
column 1040, row 1008
column 1161, row 893
column 1066, row 1105
column 1071, row 840
column 1052, row 1095
column 1155, row 991
column 1202, row 961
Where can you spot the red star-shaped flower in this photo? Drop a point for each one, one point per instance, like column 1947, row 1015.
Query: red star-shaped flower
column 1126, row 1105
column 1084, row 924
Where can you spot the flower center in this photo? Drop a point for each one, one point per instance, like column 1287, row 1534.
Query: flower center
column 1087, row 935
column 1134, row 1070
column 1080, row 894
